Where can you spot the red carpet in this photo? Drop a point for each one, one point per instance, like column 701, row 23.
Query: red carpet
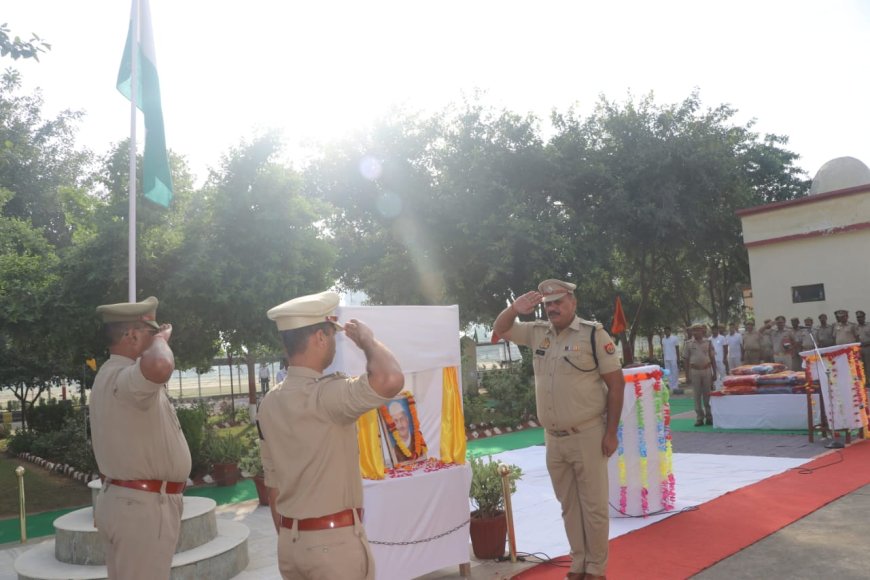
column 685, row 544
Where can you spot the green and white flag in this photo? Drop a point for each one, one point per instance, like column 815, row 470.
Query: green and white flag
column 156, row 179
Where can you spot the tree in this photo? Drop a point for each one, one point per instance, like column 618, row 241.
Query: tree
column 445, row 209
column 252, row 241
column 38, row 159
column 659, row 185
column 28, row 355
column 17, row 48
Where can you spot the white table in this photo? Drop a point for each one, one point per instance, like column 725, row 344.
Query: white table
column 782, row 411
column 429, row 510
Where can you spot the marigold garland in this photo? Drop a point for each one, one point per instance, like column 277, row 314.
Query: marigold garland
column 419, row 444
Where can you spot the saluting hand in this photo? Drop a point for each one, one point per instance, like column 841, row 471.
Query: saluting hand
column 165, row 332
column 526, row 303
column 359, row 333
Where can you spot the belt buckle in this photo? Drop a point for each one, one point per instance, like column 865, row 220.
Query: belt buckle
column 559, row 432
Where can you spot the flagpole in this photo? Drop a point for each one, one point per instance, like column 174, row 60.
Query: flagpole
column 131, row 232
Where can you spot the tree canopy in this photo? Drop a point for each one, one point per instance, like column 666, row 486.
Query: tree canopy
column 472, row 205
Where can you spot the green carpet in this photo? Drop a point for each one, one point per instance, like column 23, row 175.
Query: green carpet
column 506, row 442
column 38, row 525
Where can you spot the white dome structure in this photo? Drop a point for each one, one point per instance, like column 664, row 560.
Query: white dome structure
column 840, row 173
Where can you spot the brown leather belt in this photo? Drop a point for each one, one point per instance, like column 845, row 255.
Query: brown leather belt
column 152, row 485
column 576, row 428
column 700, row 368
column 336, row 520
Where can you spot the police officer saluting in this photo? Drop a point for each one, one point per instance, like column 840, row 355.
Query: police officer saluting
column 579, row 389
column 309, row 441
column 140, row 449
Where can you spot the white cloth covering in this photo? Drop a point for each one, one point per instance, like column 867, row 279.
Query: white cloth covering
column 780, row 411
column 411, row 509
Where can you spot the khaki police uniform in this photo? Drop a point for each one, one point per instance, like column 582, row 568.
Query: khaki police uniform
column 825, row 335
column 803, row 341
column 845, row 333
column 780, row 353
column 310, row 454
column 752, row 347
column 699, row 368
column 766, row 344
column 137, row 439
column 572, row 400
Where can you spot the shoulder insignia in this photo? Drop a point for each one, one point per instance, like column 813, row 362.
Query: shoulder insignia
column 331, row 376
column 591, row 323
column 609, row 348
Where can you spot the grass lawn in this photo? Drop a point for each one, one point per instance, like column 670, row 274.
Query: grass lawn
column 43, row 491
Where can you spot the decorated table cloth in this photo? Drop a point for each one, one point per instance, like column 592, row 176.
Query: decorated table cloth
column 641, row 477
column 840, row 374
column 418, row 523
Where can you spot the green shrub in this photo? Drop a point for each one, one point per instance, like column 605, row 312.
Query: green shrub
column 21, row 442
column 487, row 491
column 251, row 461
column 512, row 393
column 193, row 425
column 474, row 409
column 46, row 418
column 69, row 445
column 223, row 448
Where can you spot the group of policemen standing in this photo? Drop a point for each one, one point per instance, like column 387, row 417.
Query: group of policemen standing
column 707, row 359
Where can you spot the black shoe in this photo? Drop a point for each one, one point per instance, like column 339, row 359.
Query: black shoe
column 699, row 423
column 709, row 420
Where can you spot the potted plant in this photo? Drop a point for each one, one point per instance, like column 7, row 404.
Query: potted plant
column 488, row 520
column 251, row 466
column 224, row 453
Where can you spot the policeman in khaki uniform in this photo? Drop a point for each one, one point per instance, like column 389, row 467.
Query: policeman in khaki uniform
column 825, row 332
column 782, row 340
column 845, row 332
column 579, row 397
column 751, row 344
column 766, row 341
column 140, row 449
column 700, row 361
column 807, row 337
column 309, row 441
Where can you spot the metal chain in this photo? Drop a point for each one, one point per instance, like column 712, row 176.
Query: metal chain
column 410, row 542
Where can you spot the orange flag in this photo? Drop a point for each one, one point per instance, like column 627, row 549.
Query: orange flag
column 619, row 323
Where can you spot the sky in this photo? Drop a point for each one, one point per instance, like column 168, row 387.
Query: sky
column 319, row 70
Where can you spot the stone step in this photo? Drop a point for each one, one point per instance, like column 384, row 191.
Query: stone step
column 220, row 559
column 77, row 541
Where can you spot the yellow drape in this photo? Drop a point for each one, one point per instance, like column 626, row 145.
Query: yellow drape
column 453, row 440
column 371, row 458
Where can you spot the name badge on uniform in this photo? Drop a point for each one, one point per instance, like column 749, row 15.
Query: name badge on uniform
column 540, row 352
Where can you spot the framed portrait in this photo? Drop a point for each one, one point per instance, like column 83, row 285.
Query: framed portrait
column 400, row 428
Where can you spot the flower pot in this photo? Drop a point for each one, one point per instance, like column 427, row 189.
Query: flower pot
column 225, row 474
column 488, row 536
column 262, row 492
